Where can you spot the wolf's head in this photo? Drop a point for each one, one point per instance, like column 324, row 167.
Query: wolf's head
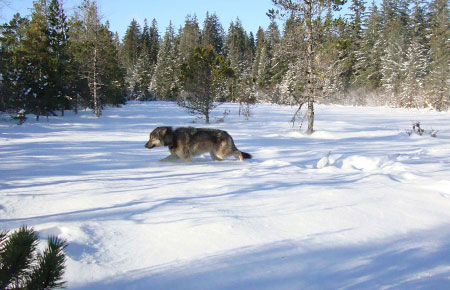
column 161, row 136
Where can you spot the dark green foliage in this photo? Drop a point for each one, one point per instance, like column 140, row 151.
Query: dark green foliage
column 12, row 87
column 203, row 77
column 22, row 268
column 212, row 33
column 396, row 53
column 49, row 269
column 59, row 56
column 132, row 44
column 16, row 256
column 46, row 67
column 99, row 77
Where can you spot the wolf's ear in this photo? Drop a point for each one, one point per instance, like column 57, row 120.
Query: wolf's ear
column 162, row 131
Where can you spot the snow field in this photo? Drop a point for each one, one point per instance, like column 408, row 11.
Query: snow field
column 377, row 216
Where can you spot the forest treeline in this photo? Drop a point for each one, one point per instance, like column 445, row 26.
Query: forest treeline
column 396, row 54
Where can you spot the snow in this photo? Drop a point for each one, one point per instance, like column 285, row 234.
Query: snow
column 324, row 161
column 378, row 216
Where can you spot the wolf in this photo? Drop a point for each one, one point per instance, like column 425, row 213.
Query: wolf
column 186, row 142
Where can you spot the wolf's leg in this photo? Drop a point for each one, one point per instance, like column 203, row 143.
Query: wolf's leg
column 171, row 157
column 238, row 155
column 214, row 156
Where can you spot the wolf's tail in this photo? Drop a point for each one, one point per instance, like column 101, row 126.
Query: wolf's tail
column 246, row 155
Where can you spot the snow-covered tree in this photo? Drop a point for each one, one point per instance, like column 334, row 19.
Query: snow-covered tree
column 165, row 82
column 393, row 58
column 367, row 70
column 415, row 68
column 190, row 37
column 438, row 81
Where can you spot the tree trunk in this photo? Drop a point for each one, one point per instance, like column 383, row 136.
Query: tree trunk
column 76, row 104
column 97, row 109
column 310, row 59
column 310, row 117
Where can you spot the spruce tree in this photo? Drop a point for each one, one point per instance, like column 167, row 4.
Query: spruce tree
column 190, row 37
column 131, row 45
column 287, row 51
column 260, row 43
column 439, row 77
column 311, row 12
column 356, row 21
column 39, row 73
column 213, row 33
column 13, row 65
column 60, row 58
column 96, row 58
column 111, row 74
column 154, row 42
column 239, row 56
column 394, row 54
column 164, row 82
column 415, row 68
column 145, row 39
column 367, row 73
column 203, row 77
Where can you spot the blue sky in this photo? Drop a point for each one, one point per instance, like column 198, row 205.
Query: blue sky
column 252, row 13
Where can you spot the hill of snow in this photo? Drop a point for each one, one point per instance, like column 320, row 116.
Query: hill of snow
column 376, row 215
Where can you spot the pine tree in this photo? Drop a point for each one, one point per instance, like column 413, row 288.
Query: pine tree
column 356, row 21
column 271, row 41
column 311, row 13
column 23, row 267
column 145, row 39
column 288, row 50
column 394, row 54
column 251, row 45
column 260, row 42
column 203, row 77
column 59, row 40
column 13, row 65
column 264, row 65
column 144, row 70
column 368, row 57
column 213, row 33
column 111, row 74
column 39, row 72
column 272, row 35
column 88, row 38
column 416, row 64
column 97, row 59
column 190, row 37
column 239, row 56
column 439, row 77
column 292, row 84
column 164, row 82
column 154, row 42
column 131, row 45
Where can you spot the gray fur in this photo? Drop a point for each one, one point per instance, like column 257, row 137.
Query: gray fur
column 186, row 142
